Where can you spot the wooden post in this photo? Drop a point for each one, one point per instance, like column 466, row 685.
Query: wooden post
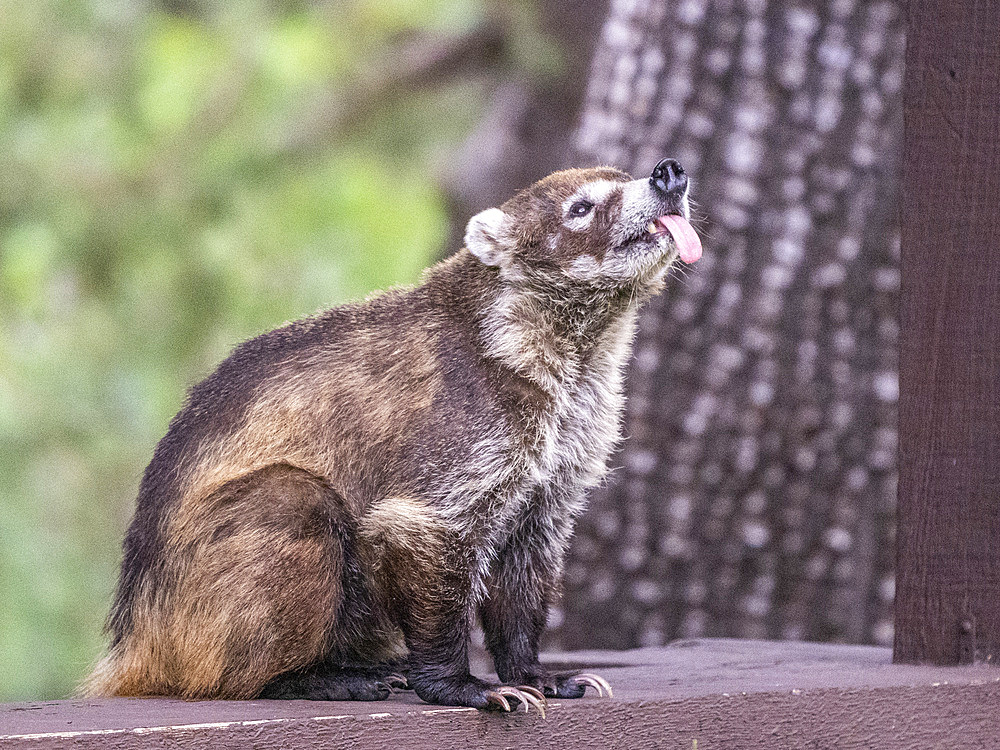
column 948, row 550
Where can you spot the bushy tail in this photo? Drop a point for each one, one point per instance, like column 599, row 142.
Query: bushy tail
column 121, row 673
column 104, row 680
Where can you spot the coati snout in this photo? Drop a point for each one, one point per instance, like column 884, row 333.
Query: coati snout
column 334, row 505
column 598, row 227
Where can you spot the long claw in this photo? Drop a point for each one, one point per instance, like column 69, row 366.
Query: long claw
column 533, row 691
column 595, row 681
column 494, row 698
column 397, row 681
column 530, row 695
column 523, row 695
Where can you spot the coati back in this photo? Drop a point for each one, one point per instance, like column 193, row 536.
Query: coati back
column 334, row 505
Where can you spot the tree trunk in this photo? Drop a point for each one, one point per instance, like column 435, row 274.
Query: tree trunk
column 757, row 485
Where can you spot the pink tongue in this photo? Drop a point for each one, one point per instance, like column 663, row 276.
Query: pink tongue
column 688, row 244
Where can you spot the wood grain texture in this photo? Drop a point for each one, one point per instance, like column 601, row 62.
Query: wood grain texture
column 725, row 694
column 948, row 581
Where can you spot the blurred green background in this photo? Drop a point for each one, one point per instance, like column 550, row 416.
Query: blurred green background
column 175, row 178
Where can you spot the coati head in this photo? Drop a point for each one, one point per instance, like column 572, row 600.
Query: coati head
column 590, row 229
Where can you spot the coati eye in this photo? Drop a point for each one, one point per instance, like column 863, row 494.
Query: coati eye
column 580, row 208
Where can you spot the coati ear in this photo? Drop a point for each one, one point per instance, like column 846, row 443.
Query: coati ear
column 482, row 236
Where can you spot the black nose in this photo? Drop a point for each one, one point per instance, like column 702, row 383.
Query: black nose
column 668, row 178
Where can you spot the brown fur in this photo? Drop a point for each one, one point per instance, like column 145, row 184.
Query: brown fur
column 256, row 589
column 354, row 487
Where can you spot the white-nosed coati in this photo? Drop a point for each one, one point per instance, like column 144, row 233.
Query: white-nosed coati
column 335, row 504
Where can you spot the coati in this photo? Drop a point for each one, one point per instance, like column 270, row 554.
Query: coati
column 334, row 505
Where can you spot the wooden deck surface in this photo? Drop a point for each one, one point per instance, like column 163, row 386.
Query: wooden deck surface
column 723, row 693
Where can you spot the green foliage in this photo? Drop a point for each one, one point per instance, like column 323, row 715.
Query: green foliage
column 168, row 190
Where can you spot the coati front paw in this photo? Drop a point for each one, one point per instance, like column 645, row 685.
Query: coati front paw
column 466, row 690
column 567, row 684
column 575, row 684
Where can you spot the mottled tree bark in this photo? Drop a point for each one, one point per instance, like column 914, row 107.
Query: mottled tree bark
column 756, row 490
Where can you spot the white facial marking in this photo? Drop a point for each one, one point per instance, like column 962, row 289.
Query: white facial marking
column 685, row 205
column 639, row 205
column 584, row 267
column 596, row 193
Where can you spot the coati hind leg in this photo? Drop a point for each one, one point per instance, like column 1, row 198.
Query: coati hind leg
column 522, row 586
column 336, row 683
column 247, row 589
